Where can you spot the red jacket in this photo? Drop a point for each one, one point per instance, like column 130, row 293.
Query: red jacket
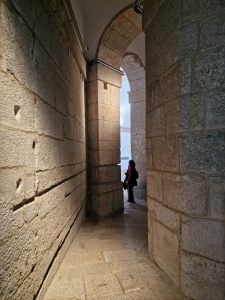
column 131, row 176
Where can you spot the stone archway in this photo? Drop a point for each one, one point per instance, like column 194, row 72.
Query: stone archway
column 135, row 72
column 103, row 107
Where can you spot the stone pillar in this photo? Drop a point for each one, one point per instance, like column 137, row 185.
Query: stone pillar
column 103, row 114
column 185, row 77
column 135, row 72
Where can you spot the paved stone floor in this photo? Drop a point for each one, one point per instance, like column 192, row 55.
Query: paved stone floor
column 109, row 260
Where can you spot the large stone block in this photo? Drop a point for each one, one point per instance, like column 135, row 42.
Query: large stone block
column 191, row 112
column 185, row 76
column 172, row 116
column 93, row 130
column 166, row 250
column 138, row 84
column 103, row 73
column 71, row 152
column 17, row 150
column 138, row 115
column 136, row 74
column 105, row 130
column 216, row 109
column 166, row 216
column 138, row 143
column 216, row 192
column 209, row 69
column 186, row 193
column 212, row 31
column 188, row 40
column 108, row 174
column 166, row 153
column 71, row 128
column 154, row 185
column 60, row 92
column 92, row 92
column 47, row 152
column 135, row 96
column 17, row 107
column 155, row 122
column 117, row 43
column 204, row 237
column 203, row 153
column 48, row 120
column 102, row 205
column 202, row 278
column 50, row 200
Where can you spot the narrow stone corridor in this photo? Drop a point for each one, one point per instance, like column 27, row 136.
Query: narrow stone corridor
column 109, row 260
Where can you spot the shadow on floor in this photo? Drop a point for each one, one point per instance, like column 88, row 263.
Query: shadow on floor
column 109, row 259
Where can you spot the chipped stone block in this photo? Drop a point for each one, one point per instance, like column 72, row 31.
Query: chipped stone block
column 204, row 237
column 203, row 152
column 202, row 278
column 166, row 251
column 17, row 108
column 154, row 185
column 17, row 150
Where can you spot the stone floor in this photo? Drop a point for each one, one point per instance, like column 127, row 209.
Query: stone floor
column 109, row 260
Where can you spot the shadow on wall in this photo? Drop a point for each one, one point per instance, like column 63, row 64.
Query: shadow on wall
column 42, row 128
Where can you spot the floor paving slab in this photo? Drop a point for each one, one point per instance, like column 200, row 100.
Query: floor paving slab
column 109, row 260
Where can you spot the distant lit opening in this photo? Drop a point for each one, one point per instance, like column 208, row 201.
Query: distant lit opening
column 125, row 142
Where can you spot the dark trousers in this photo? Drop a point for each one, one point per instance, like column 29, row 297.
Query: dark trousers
column 130, row 193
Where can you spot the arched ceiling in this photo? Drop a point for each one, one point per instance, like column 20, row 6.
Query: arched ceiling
column 94, row 16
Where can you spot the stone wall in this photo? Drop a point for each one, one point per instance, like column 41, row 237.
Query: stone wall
column 42, row 129
column 185, row 79
column 135, row 72
column 103, row 116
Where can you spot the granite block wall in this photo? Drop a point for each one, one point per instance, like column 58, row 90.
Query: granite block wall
column 185, row 67
column 43, row 142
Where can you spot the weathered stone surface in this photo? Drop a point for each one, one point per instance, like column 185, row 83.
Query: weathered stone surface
column 201, row 277
column 212, row 31
column 203, row 153
column 216, row 109
column 167, row 216
column 17, row 108
column 172, row 118
column 166, row 251
column 154, row 185
column 217, row 203
column 53, row 126
column 117, row 42
column 155, row 122
column 47, row 151
column 188, row 39
column 130, row 281
column 16, row 149
column 204, row 237
column 166, row 153
column 185, row 76
column 119, row 255
column 191, row 112
column 209, row 70
column 185, row 193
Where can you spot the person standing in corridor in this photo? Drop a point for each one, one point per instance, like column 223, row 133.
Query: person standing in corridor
column 131, row 179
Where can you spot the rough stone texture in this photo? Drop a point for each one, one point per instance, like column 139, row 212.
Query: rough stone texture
column 166, row 248
column 42, row 125
column 203, row 236
column 185, row 70
column 202, row 278
column 104, row 138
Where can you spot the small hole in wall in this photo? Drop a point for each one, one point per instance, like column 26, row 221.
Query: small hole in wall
column 16, row 109
column 105, row 86
column 18, row 183
column 33, row 145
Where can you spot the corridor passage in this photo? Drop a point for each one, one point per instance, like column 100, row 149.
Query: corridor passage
column 109, row 260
